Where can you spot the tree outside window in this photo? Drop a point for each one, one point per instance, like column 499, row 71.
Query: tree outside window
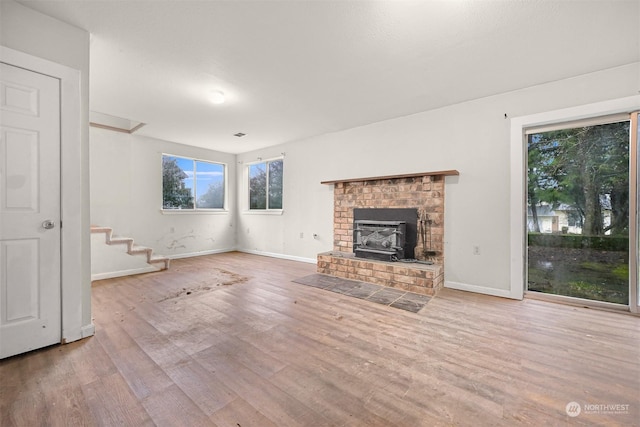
column 578, row 212
column 582, row 171
column 192, row 184
column 265, row 185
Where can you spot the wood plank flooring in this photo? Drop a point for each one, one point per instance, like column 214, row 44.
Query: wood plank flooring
column 181, row 348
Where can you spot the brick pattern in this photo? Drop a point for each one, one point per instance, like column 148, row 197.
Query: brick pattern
column 417, row 278
column 425, row 193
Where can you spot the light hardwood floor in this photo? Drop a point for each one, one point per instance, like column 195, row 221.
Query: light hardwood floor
column 268, row 352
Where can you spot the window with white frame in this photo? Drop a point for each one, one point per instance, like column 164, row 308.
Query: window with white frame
column 265, row 185
column 190, row 184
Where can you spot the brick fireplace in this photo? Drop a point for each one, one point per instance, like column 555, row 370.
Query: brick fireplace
column 422, row 192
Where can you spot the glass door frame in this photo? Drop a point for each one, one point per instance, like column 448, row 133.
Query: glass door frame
column 518, row 204
column 634, row 208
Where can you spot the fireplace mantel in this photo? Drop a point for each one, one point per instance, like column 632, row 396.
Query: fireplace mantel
column 409, row 175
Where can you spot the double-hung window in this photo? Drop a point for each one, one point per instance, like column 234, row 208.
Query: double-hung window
column 265, row 185
column 190, row 184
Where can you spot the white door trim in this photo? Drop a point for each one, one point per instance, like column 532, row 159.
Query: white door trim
column 518, row 192
column 76, row 287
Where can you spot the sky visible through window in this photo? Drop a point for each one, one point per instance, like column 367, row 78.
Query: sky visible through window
column 257, row 170
column 204, row 181
column 208, row 173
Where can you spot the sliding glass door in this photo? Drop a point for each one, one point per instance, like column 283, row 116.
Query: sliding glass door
column 581, row 210
column 634, row 227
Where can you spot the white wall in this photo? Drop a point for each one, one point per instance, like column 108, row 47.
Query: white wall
column 472, row 137
column 126, row 195
column 33, row 33
column 307, row 209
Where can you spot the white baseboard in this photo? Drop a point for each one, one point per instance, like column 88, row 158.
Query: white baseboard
column 151, row 269
column 281, row 256
column 112, row 274
column 78, row 334
column 200, row 253
column 480, row 289
column 88, row 330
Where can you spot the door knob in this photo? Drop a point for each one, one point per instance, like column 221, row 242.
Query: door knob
column 48, row 224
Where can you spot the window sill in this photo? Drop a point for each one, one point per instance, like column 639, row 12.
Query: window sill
column 194, row 212
column 263, row 212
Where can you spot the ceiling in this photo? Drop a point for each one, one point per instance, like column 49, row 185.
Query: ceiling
column 296, row 69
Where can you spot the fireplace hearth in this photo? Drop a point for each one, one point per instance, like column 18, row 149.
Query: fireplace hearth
column 368, row 216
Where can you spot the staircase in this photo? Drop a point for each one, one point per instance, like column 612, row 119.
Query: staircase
column 157, row 261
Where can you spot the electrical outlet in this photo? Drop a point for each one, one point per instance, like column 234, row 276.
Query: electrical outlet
column 476, row 250
column 301, row 235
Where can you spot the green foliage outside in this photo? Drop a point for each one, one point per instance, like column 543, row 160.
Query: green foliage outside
column 580, row 273
column 261, row 196
column 587, row 170
column 603, row 243
column 213, row 198
column 174, row 193
column 275, row 184
column 258, row 186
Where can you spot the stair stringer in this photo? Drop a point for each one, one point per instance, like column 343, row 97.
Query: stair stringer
column 158, row 262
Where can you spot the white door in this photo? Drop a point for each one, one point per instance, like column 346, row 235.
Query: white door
column 30, row 296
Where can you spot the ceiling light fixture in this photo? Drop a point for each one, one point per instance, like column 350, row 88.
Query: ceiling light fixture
column 216, row 97
column 239, row 134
